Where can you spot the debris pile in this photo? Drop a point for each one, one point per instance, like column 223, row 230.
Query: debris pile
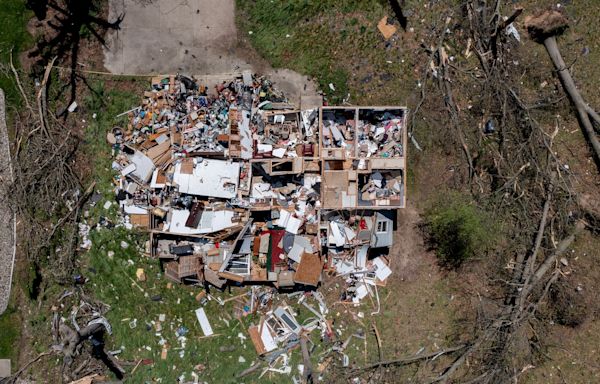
column 380, row 134
column 339, row 129
column 236, row 185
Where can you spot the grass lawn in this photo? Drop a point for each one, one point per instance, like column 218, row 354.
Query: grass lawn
column 113, row 281
column 10, row 324
column 335, row 41
column 13, row 35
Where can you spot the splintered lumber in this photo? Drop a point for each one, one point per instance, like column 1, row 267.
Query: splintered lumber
column 254, row 333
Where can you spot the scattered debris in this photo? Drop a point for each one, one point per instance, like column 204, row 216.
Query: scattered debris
column 387, row 30
column 236, row 185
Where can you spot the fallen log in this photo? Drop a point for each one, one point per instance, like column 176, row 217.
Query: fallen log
column 544, row 28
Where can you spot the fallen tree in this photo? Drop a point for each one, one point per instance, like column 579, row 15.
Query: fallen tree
column 46, row 193
column 544, row 28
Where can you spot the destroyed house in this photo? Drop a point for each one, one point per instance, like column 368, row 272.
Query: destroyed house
column 236, row 184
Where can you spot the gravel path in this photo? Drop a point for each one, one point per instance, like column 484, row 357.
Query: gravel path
column 7, row 216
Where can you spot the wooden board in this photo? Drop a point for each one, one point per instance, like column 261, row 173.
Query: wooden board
column 212, row 277
column 231, row 276
column 158, row 150
column 161, row 178
column 140, row 220
column 309, row 270
column 386, row 29
column 254, row 332
column 162, row 159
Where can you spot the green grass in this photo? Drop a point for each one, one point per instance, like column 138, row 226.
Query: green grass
column 106, row 101
column 10, row 325
column 312, row 36
column 112, row 281
column 13, row 35
column 113, row 285
column 338, row 42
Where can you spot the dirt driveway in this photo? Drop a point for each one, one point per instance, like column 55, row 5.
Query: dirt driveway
column 197, row 37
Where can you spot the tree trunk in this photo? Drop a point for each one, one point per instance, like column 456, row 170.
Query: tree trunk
column 574, row 95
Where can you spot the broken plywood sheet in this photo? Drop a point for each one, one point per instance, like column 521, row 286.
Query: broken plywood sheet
column 254, row 333
column 262, row 339
column 387, row 30
column 187, row 166
column 309, row 270
column 231, row 276
column 213, row 278
column 158, row 151
column 159, row 179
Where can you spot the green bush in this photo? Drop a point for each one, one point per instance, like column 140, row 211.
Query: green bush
column 458, row 230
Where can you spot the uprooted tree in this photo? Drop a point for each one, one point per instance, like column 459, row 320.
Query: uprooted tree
column 46, row 193
column 48, row 196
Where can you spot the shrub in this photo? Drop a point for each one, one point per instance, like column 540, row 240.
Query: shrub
column 458, row 230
